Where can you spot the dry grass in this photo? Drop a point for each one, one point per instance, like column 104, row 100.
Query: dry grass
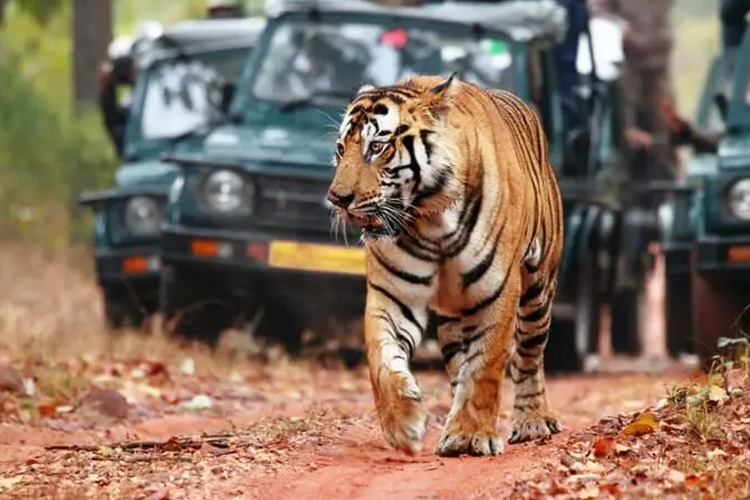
column 51, row 314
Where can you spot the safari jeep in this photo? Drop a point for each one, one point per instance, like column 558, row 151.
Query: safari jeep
column 248, row 233
column 678, row 220
column 712, row 228
column 185, row 76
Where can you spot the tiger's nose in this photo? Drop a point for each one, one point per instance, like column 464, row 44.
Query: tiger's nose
column 340, row 200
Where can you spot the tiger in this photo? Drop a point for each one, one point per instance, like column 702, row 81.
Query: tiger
column 461, row 215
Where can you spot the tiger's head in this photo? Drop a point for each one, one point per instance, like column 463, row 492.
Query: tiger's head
column 394, row 159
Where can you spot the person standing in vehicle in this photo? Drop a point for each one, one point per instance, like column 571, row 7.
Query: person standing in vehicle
column 647, row 81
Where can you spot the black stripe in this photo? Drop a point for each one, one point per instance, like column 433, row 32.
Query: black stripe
column 532, row 292
column 408, row 277
column 472, row 357
column 525, row 371
column 441, row 320
column 470, row 311
column 356, row 109
column 467, row 229
column 408, row 142
column 402, row 307
column 402, row 337
column 481, row 333
column 429, row 191
column 537, row 313
column 450, row 350
column 416, row 251
column 473, row 275
column 530, row 395
column 424, row 135
column 536, row 341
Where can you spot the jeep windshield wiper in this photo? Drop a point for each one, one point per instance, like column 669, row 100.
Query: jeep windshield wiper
column 300, row 102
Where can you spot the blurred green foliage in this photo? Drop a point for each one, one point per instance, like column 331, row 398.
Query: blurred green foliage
column 47, row 153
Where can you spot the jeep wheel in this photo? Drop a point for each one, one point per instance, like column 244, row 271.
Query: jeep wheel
column 281, row 323
column 192, row 308
column 588, row 309
column 122, row 308
column 628, row 320
column 570, row 342
column 679, row 324
column 718, row 305
column 562, row 353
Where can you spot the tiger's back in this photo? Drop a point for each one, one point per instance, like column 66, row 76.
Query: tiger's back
column 461, row 212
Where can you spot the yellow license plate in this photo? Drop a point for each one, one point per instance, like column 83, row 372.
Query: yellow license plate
column 314, row 257
column 738, row 253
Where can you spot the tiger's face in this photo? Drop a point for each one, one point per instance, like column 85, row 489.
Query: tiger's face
column 390, row 166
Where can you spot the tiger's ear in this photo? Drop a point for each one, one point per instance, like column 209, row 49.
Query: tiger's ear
column 365, row 88
column 440, row 95
column 445, row 87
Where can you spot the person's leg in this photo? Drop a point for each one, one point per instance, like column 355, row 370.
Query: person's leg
column 658, row 87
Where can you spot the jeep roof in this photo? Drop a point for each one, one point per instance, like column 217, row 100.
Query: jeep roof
column 520, row 20
column 207, row 34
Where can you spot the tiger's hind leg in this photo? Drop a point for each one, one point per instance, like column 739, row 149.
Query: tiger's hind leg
column 531, row 416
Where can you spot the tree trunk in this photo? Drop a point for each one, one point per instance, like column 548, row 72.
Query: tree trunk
column 92, row 33
column 2, row 12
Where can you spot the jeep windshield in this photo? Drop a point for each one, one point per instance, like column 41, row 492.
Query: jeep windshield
column 183, row 95
column 324, row 62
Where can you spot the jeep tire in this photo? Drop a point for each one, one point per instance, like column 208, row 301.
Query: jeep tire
column 718, row 307
column 679, row 324
column 193, row 306
column 124, row 308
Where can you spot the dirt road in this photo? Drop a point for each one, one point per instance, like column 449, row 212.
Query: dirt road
column 88, row 415
column 283, row 439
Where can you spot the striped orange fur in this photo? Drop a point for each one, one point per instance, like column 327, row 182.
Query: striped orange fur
column 461, row 213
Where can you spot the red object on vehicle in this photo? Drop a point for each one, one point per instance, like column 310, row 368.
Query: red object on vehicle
column 397, row 38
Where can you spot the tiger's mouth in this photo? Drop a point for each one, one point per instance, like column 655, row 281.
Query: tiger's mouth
column 374, row 227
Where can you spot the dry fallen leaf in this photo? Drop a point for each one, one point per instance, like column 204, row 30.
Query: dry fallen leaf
column 676, row 476
column 46, row 409
column 645, row 423
column 717, row 394
column 603, row 446
column 590, row 491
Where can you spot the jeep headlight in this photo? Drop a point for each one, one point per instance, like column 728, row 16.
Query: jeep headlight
column 143, row 216
column 739, row 199
column 226, row 191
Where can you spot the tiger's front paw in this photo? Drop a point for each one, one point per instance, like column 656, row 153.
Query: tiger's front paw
column 531, row 426
column 402, row 417
column 478, row 445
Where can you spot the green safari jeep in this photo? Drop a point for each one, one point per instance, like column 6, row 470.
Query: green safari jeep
column 707, row 230
column 248, row 233
column 185, row 79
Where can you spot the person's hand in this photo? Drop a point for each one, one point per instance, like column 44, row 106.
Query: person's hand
column 670, row 116
column 638, row 138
